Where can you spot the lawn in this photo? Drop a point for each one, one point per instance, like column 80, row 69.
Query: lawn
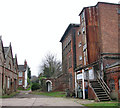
column 9, row 96
column 104, row 105
column 24, row 89
column 53, row 94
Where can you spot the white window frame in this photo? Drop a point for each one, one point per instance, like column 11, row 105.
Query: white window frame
column 82, row 16
column 8, row 83
column 20, row 81
column 84, row 58
column 79, row 33
column 91, row 74
column 83, row 30
column 20, row 74
column 80, row 57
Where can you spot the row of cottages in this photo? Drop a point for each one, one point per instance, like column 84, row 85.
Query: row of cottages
column 91, row 52
column 9, row 69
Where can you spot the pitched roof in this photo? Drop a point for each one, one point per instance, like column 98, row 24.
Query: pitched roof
column 68, row 29
column 5, row 50
column 21, row 68
column 2, row 46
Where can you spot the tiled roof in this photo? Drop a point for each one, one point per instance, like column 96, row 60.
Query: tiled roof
column 21, row 68
column 5, row 50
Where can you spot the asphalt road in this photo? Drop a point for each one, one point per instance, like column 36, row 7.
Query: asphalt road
column 26, row 100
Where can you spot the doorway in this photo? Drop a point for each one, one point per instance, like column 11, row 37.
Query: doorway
column 49, row 85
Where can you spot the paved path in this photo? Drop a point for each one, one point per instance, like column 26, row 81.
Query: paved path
column 26, row 99
column 26, row 94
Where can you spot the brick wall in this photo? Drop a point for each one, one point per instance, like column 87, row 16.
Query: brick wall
column 69, row 53
column 108, row 27
column 78, row 46
column 23, row 80
column 114, row 73
column 91, row 94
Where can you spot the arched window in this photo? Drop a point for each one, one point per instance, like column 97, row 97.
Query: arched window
column 112, row 84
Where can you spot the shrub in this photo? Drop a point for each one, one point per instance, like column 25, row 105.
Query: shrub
column 35, row 86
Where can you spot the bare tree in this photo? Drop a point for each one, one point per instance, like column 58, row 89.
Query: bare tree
column 51, row 67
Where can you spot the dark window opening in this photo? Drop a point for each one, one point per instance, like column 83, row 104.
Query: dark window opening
column 112, row 84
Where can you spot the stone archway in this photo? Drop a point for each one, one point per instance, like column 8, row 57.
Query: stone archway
column 49, row 85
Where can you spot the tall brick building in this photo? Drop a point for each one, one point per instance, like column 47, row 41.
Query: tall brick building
column 95, row 49
column 99, row 40
column 68, row 55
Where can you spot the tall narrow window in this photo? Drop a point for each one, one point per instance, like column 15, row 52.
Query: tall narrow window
column 2, row 81
column 112, row 84
column 118, row 11
column 9, row 66
column 119, row 85
column 8, row 83
column 84, row 59
column 80, row 57
column 20, row 74
column 80, row 44
column 70, row 61
column 20, row 81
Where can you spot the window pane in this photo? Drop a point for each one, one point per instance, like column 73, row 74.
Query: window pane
column 112, row 84
column 8, row 82
column 20, row 74
column 20, row 81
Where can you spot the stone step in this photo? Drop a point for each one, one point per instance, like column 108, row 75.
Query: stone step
column 104, row 99
column 101, row 94
column 98, row 88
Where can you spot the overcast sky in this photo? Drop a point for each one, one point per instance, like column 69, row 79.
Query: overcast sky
column 35, row 27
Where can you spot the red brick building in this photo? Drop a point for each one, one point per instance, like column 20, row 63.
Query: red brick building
column 68, row 55
column 97, row 46
column 94, row 46
column 23, row 75
column 8, row 69
column 2, row 58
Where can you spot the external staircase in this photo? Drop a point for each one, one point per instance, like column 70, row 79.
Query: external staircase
column 99, row 91
column 100, row 88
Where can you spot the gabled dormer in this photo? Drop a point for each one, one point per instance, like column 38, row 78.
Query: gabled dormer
column 15, row 64
column 9, row 58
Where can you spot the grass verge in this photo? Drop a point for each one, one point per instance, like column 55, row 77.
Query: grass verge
column 103, row 105
column 53, row 94
column 10, row 95
column 24, row 89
